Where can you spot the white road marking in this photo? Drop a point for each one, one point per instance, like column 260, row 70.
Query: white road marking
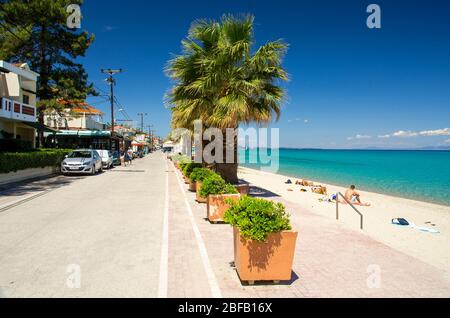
column 215, row 290
column 164, row 263
column 18, row 202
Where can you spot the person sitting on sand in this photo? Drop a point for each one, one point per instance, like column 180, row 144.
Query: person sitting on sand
column 354, row 197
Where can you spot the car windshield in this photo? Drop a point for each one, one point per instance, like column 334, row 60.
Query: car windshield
column 80, row 154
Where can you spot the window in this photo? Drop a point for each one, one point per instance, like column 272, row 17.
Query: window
column 26, row 99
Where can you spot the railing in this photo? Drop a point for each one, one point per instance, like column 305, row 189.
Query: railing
column 353, row 207
column 15, row 110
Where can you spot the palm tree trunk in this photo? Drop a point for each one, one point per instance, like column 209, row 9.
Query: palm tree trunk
column 228, row 170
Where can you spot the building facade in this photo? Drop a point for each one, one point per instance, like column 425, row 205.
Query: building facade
column 18, row 114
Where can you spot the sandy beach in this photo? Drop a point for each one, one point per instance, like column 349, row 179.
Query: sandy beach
column 433, row 249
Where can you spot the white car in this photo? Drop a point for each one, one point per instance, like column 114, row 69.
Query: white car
column 82, row 161
column 107, row 158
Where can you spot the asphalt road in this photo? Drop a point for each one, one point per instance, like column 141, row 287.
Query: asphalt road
column 92, row 236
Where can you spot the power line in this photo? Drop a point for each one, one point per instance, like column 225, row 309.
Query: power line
column 6, row 18
column 15, row 35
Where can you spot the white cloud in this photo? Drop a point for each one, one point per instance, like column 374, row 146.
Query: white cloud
column 424, row 133
column 298, row 119
column 359, row 136
column 438, row 132
column 402, row 133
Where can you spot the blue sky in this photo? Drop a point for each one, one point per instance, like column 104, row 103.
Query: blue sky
column 350, row 87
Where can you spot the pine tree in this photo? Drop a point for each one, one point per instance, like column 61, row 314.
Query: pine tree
column 36, row 32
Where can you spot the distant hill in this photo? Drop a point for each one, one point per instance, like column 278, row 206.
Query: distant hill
column 428, row 148
column 435, row 148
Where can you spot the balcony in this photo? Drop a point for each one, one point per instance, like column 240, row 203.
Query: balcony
column 14, row 110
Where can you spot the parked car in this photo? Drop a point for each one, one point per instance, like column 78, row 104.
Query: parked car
column 107, row 158
column 82, row 161
column 116, row 158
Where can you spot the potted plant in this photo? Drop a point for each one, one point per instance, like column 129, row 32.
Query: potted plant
column 264, row 243
column 197, row 176
column 187, row 170
column 217, row 192
column 184, row 161
column 179, row 160
column 243, row 188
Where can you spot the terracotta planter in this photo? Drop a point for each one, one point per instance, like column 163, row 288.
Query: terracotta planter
column 216, row 206
column 199, row 199
column 186, row 180
column 265, row 261
column 243, row 188
column 192, row 186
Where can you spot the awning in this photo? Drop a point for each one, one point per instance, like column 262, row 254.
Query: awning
column 39, row 126
column 139, row 144
column 13, row 84
column 84, row 133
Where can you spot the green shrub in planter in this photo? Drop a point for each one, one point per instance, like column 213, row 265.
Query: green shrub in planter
column 257, row 218
column 200, row 174
column 189, row 167
column 180, row 158
column 214, row 184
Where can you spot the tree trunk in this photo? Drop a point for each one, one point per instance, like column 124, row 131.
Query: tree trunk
column 228, row 170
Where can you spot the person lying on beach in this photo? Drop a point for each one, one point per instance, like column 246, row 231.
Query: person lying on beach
column 304, row 183
column 319, row 189
column 354, row 197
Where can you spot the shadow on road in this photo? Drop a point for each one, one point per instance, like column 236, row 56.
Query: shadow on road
column 18, row 189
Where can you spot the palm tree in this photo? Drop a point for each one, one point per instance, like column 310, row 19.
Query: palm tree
column 221, row 80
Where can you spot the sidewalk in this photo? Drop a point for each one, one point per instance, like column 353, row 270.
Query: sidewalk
column 330, row 260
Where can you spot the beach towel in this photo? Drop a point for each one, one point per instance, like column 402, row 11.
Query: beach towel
column 424, row 229
column 405, row 223
column 400, row 221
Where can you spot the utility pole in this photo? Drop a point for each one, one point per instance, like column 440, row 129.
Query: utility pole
column 111, row 81
column 150, row 134
column 142, row 120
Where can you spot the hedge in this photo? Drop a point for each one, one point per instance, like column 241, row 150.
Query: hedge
column 14, row 145
column 14, row 161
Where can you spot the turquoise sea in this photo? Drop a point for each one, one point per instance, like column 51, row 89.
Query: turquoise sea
column 419, row 175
